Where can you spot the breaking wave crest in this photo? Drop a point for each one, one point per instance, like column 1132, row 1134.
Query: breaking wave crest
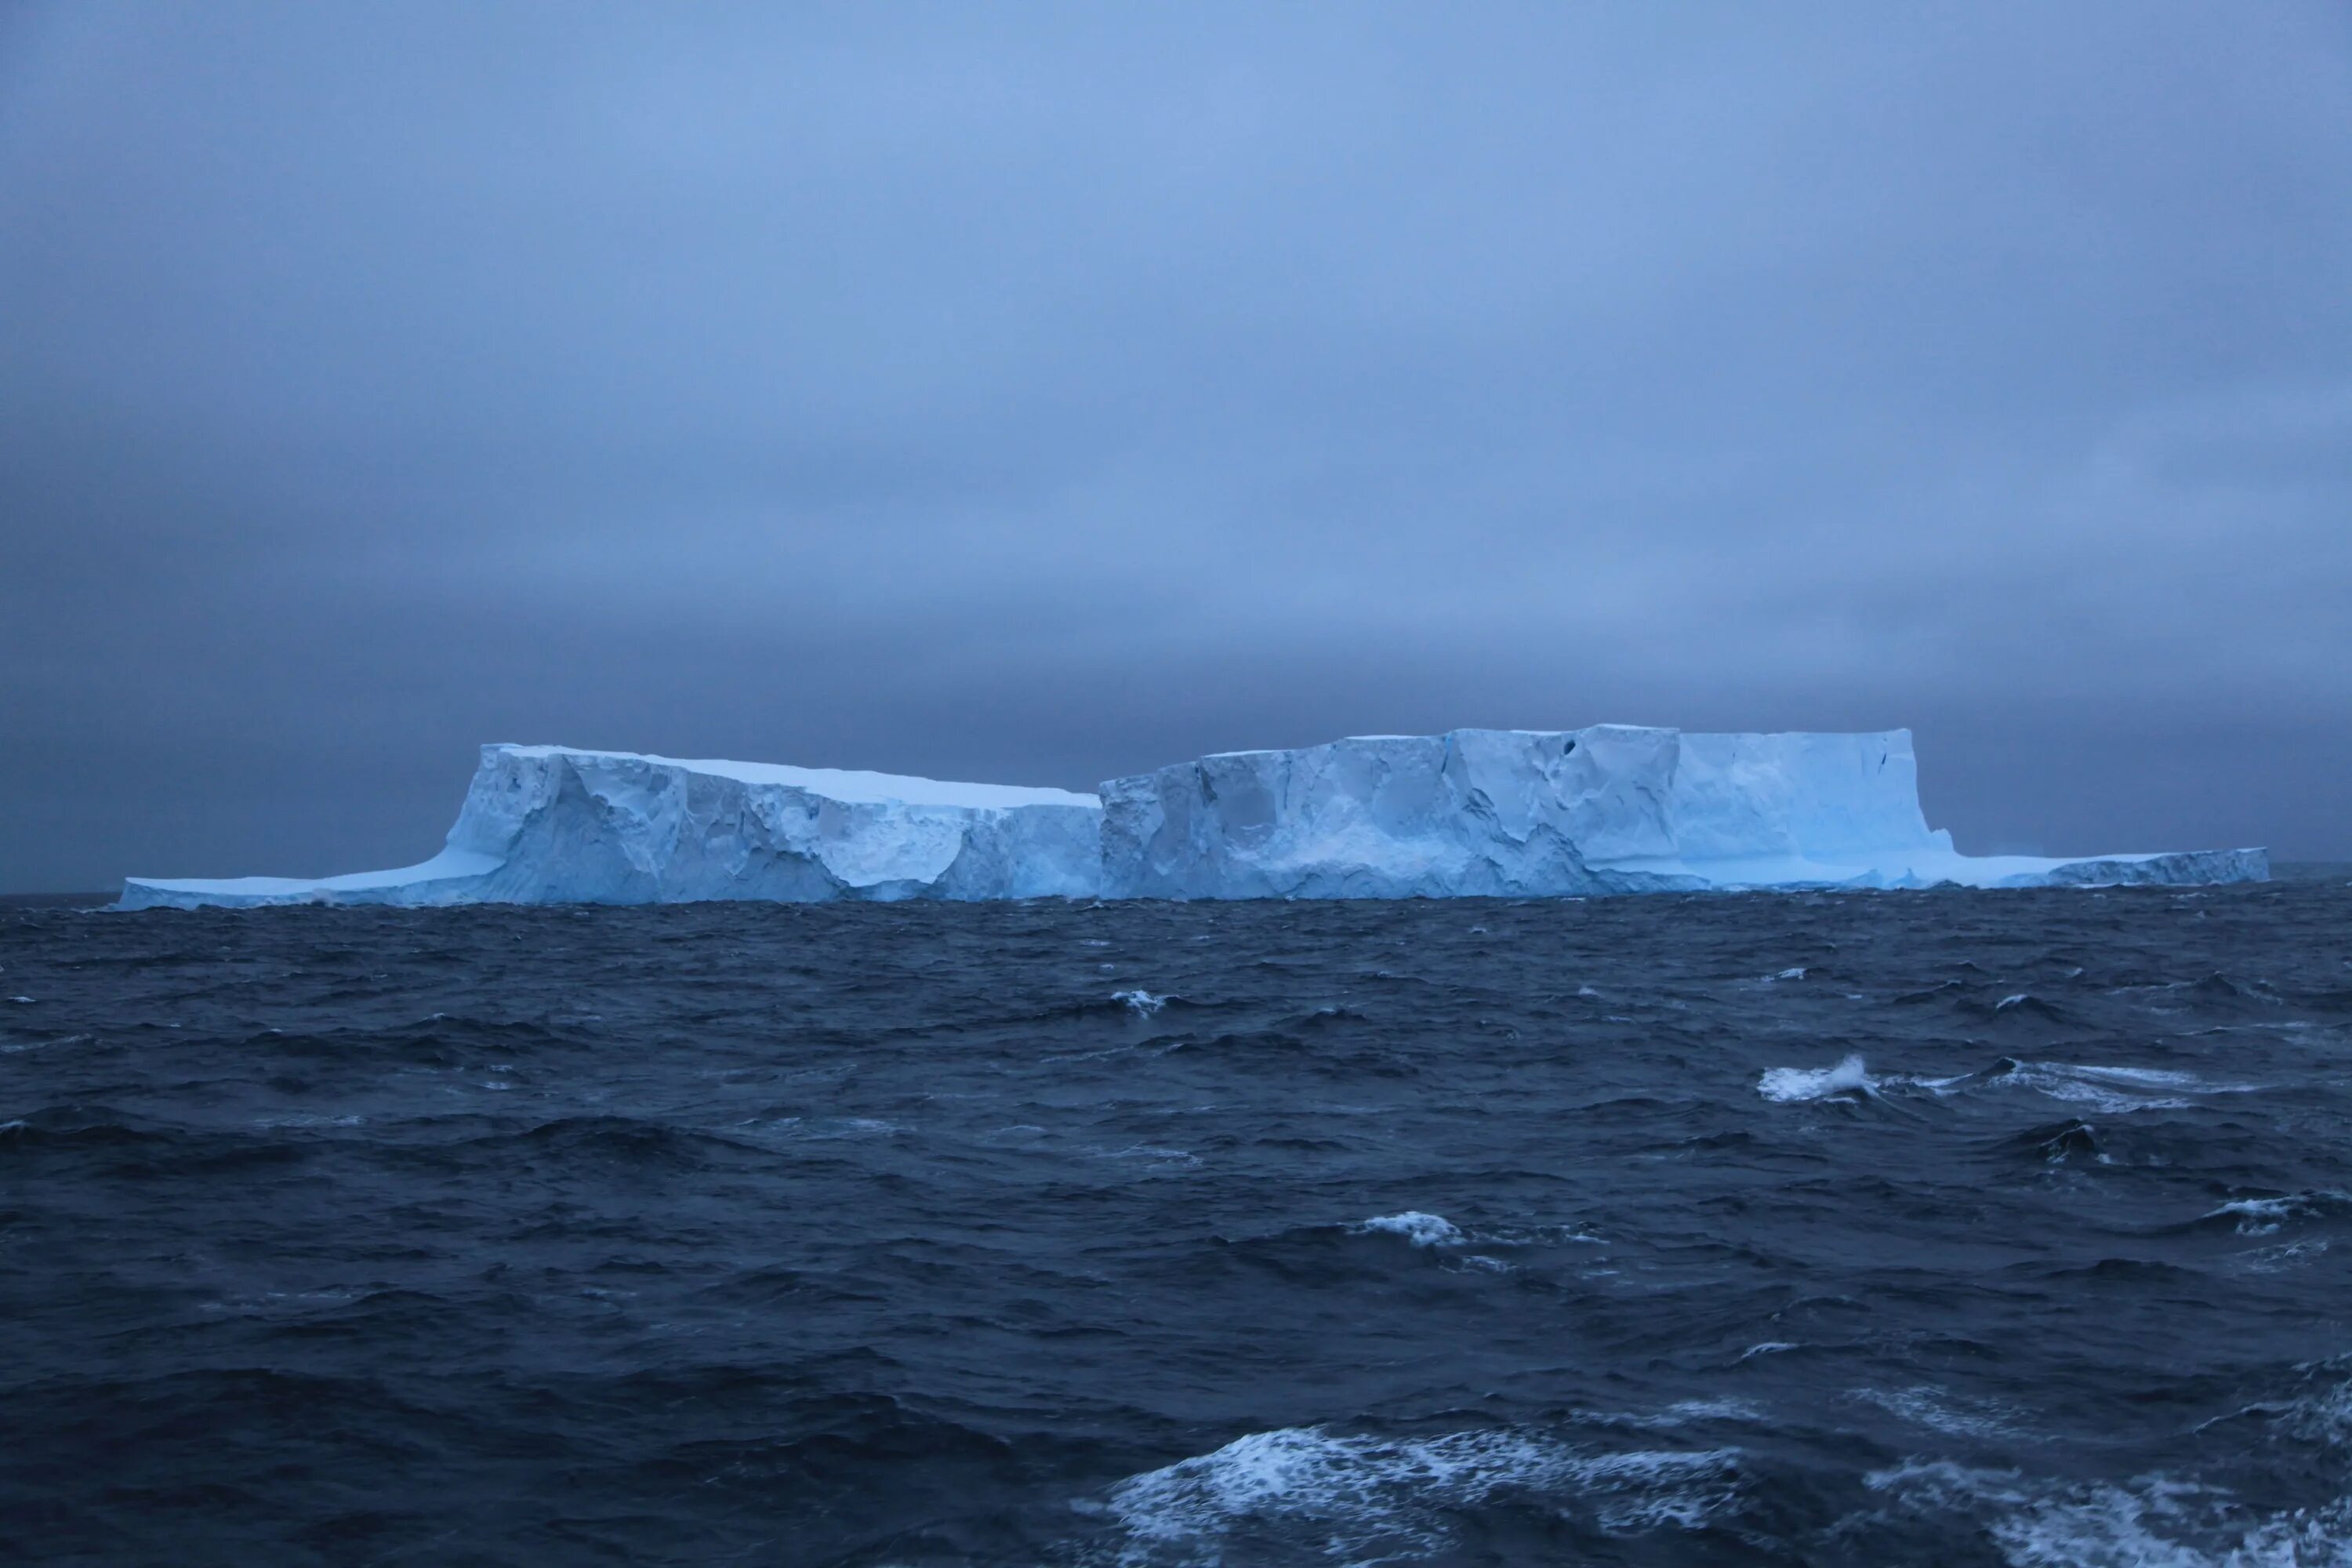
column 1420, row 1229
column 1849, row 1079
column 2148, row 1521
column 2108, row 1090
column 1358, row 1499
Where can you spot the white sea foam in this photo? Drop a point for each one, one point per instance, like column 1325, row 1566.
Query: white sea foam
column 1420, row 1229
column 1684, row 1411
column 1141, row 1002
column 1361, row 1500
column 2148, row 1521
column 2277, row 1259
column 2323, row 1414
column 1789, row 1084
column 2265, row 1217
column 2111, row 1090
column 1941, row 1411
column 2115, row 1090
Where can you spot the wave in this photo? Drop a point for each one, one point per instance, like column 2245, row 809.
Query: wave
column 2214, row 988
column 2056, row 1143
column 2113, row 1091
column 1420, row 1229
column 100, row 1141
column 1424, row 1230
column 2318, row 1412
column 1351, row 1498
column 1942, row 1411
column 2269, row 1216
column 2016, row 1005
column 1849, row 1081
column 2147, row 1522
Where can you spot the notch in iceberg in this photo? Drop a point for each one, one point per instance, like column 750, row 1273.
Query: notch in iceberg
column 554, row 825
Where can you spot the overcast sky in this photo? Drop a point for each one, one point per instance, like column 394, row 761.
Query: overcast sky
column 1039, row 393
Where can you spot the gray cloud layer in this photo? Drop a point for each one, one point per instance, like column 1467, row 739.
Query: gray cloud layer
column 1042, row 393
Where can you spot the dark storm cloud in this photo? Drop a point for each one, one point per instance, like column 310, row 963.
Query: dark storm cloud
column 1045, row 392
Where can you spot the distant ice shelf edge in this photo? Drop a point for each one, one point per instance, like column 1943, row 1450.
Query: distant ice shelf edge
column 1612, row 808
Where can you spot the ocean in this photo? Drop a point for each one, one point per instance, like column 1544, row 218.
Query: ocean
column 1940, row 1228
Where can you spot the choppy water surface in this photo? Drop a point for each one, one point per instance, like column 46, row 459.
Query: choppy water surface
column 1951, row 1227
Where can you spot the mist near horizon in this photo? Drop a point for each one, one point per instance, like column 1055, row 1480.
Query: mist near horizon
column 1047, row 396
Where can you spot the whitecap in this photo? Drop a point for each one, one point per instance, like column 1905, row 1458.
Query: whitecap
column 2147, row 1521
column 2112, row 1090
column 2324, row 1415
column 2276, row 1260
column 1682, row 1412
column 1142, row 1002
column 1791, row 1085
column 2264, row 1217
column 1420, row 1229
column 1933, row 1409
column 1371, row 1499
column 2115, row 1088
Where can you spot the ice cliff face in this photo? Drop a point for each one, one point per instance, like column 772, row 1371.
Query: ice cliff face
column 1612, row 808
column 1514, row 812
column 550, row 824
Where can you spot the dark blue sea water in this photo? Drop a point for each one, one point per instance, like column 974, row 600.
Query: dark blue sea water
column 1946, row 1227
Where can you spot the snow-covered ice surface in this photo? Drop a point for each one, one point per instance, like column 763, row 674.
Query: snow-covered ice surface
column 1609, row 808
column 553, row 824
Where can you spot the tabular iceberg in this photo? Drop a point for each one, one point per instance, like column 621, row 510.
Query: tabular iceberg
column 551, row 824
column 1612, row 808
column 1514, row 812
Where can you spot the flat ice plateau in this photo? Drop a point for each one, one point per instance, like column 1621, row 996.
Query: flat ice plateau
column 1511, row 812
column 549, row 824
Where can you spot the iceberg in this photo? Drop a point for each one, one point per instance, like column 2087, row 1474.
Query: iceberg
column 1610, row 808
column 554, row 825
